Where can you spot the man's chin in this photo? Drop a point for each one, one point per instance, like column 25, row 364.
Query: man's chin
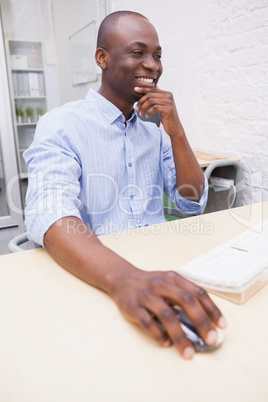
column 137, row 96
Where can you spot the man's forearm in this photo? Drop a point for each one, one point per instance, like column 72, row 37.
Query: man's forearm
column 75, row 247
column 141, row 296
column 189, row 176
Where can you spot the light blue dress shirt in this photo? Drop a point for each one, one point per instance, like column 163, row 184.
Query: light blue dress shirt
column 86, row 162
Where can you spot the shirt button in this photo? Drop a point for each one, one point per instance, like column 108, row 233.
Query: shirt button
column 132, row 196
column 130, row 164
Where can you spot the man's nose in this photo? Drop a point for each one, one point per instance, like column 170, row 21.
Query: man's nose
column 150, row 63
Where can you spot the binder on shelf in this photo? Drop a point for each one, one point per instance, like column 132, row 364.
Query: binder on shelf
column 20, row 84
column 15, row 83
column 41, row 83
column 31, row 84
column 36, row 85
column 26, row 84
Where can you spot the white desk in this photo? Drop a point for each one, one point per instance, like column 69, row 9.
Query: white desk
column 205, row 159
column 63, row 341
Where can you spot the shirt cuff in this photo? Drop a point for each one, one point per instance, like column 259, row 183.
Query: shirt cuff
column 189, row 208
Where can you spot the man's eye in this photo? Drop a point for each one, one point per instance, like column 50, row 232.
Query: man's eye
column 138, row 52
column 158, row 56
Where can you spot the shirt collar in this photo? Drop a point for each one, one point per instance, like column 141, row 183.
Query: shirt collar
column 109, row 109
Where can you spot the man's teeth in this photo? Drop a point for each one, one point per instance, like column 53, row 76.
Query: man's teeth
column 146, row 80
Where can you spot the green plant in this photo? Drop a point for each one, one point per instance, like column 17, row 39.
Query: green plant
column 39, row 111
column 19, row 112
column 29, row 111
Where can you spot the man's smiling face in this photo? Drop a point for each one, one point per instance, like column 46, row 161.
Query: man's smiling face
column 133, row 59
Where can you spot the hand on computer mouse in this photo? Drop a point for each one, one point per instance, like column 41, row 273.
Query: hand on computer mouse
column 145, row 297
column 193, row 335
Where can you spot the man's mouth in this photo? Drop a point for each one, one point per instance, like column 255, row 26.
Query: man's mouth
column 146, row 81
column 143, row 79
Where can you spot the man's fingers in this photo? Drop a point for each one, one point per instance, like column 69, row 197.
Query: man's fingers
column 160, row 322
column 192, row 307
column 145, row 90
column 146, row 321
column 150, row 297
column 193, row 300
column 165, row 329
column 170, row 322
column 209, row 306
column 155, row 93
column 151, row 106
column 154, row 101
column 150, row 111
column 213, row 311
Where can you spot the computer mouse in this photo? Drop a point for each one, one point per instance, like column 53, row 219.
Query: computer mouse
column 193, row 335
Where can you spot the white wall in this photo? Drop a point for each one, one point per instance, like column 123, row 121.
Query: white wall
column 216, row 64
column 52, row 22
column 20, row 19
column 69, row 17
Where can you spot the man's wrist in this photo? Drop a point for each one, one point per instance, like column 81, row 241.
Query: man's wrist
column 177, row 135
column 115, row 277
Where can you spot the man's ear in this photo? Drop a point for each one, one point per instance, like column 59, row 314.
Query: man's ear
column 100, row 57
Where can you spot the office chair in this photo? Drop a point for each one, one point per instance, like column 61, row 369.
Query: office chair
column 228, row 169
column 14, row 245
column 155, row 118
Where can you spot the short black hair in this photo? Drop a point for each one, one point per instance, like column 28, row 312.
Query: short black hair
column 104, row 38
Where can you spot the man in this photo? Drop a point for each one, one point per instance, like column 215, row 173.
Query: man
column 94, row 168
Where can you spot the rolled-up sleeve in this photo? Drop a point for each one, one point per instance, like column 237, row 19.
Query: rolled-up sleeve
column 185, row 207
column 53, row 178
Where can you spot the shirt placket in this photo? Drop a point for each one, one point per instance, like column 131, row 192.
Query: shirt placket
column 132, row 192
